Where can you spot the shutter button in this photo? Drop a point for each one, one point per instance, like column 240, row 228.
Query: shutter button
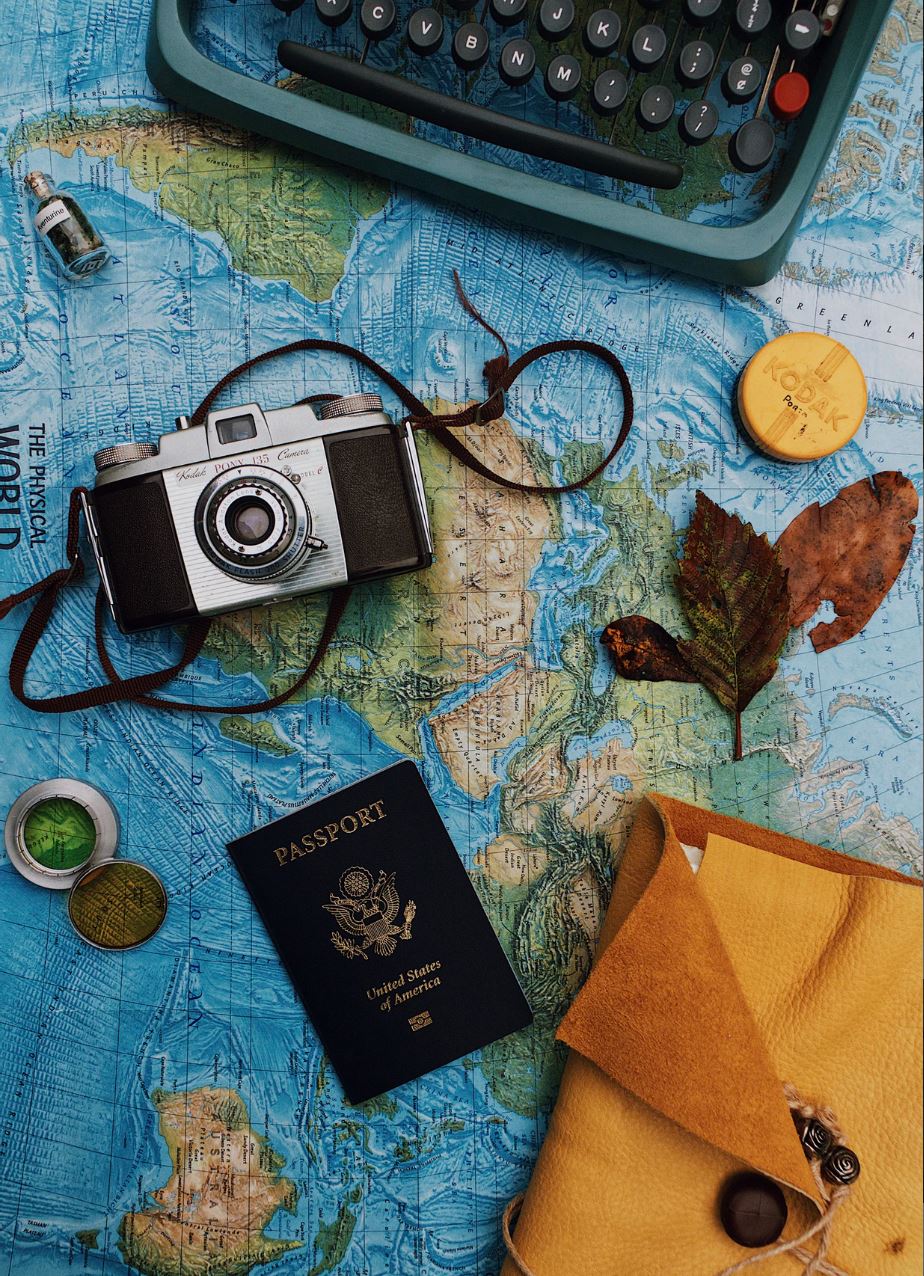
column 752, row 1209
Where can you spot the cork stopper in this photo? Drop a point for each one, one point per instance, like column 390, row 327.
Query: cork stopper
column 39, row 184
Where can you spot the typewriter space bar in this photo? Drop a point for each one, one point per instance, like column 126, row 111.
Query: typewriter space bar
column 462, row 117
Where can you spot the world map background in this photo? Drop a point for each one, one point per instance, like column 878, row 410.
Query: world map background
column 487, row 669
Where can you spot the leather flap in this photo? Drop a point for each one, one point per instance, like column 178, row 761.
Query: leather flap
column 662, row 1012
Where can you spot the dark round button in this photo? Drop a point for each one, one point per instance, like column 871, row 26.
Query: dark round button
column 816, row 1139
column 377, row 18
column 333, row 12
column 425, row 31
column 601, row 32
column 507, row 12
column 699, row 12
column 649, row 44
column 698, row 123
column 562, row 77
column 655, row 107
column 752, row 1209
column 517, row 62
column 288, row 6
column 742, row 80
column 801, row 32
column 752, row 17
column 609, row 92
column 556, row 18
column 751, row 147
column 470, row 46
column 695, row 63
column 841, row 1166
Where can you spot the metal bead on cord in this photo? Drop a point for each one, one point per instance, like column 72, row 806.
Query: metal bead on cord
column 834, row 1197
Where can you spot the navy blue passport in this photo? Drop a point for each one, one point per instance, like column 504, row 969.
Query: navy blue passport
column 381, row 931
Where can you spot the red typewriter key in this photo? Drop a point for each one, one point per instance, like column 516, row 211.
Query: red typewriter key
column 789, row 96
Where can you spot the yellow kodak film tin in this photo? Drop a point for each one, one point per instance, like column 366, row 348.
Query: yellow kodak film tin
column 802, row 396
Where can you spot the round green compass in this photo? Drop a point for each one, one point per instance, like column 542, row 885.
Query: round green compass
column 63, row 834
column 59, row 833
column 58, row 829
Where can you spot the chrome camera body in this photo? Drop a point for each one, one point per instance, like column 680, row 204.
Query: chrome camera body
column 253, row 507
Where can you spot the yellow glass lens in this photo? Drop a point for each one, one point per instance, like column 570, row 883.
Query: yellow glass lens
column 118, row 904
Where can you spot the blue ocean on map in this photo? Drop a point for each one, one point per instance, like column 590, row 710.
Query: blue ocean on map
column 95, row 1043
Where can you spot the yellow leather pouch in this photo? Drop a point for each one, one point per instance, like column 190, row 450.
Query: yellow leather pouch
column 734, row 961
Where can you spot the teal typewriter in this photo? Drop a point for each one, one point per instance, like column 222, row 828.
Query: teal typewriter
column 686, row 133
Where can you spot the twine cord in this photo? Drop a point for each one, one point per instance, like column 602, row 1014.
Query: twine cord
column 812, row 1264
column 511, row 1214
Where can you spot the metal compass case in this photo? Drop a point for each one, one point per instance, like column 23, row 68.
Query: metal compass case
column 612, row 159
column 252, row 507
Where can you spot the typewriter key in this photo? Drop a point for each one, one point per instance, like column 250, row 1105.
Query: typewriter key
column 649, row 44
column 517, row 62
column 562, row 77
column 556, row 18
column 470, row 46
column 601, row 32
column 425, row 31
column 377, row 19
column 801, row 32
column 507, row 12
column 609, row 92
column 742, row 80
column 695, row 63
column 699, row 12
column 655, row 107
column 751, row 147
column 698, row 123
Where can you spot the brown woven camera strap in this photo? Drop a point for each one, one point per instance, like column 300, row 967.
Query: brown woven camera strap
column 499, row 375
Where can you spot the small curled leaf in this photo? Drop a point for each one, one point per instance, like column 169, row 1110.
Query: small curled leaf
column 642, row 649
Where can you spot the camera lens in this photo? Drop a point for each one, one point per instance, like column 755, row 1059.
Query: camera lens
column 253, row 523
column 249, row 520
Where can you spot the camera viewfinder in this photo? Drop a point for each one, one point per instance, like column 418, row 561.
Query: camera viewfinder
column 235, row 429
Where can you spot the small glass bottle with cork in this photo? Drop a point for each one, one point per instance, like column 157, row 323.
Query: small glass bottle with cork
column 64, row 227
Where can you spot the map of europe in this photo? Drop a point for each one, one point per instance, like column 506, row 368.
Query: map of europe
column 170, row 1110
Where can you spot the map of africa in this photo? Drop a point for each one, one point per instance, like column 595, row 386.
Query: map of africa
column 169, row 1110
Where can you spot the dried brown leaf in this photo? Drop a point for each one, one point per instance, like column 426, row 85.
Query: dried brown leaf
column 642, row 649
column 848, row 552
column 733, row 588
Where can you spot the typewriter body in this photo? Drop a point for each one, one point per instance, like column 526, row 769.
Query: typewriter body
column 687, row 133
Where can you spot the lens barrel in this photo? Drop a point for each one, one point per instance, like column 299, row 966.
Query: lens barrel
column 253, row 523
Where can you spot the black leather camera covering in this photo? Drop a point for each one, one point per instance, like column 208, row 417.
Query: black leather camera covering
column 142, row 554
column 372, row 487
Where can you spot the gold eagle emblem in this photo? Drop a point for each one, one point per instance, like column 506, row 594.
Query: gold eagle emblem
column 365, row 910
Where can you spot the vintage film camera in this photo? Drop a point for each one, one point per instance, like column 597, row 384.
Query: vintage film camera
column 253, row 507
